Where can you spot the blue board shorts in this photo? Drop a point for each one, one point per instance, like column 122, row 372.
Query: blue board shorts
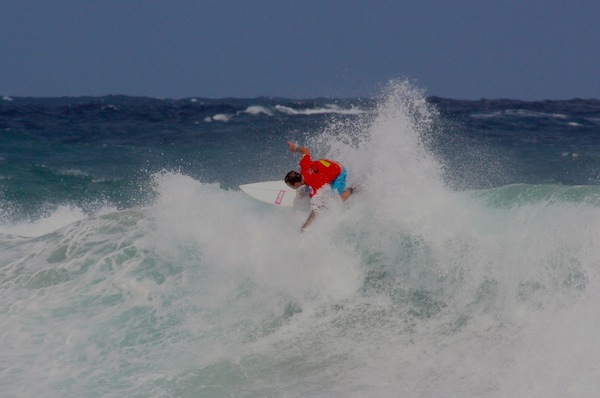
column 339, row 184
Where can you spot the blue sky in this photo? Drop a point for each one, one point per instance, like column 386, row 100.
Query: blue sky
column 527, row 49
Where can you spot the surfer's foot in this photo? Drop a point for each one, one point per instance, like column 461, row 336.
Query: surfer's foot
column 349, row 191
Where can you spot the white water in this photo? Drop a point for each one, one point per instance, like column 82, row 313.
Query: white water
column 407, row 290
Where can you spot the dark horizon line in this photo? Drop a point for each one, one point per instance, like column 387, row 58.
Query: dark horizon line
column 435, row 98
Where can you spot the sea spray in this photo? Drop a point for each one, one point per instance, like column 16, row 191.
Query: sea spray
column 454, row 266
column 408, row 284
column 409, row 288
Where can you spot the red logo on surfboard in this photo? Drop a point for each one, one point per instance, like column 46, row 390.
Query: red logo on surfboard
column 279, row 197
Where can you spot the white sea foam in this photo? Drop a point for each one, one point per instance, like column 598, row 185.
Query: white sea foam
column 519, row 113
column 56, row 219
column 262, row 110
column 73, row 172
column 219, row 117
column 257, row 110
column 330, row 108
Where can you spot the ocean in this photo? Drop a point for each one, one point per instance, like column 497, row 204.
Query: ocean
column 467, row 264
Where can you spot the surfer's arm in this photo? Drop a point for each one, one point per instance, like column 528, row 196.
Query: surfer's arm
column 309, row 220
column 316, row 201
column 293, row 147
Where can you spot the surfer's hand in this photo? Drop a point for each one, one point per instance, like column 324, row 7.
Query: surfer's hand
column 292, row 146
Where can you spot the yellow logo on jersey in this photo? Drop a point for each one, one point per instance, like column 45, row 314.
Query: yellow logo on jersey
column 324, row 163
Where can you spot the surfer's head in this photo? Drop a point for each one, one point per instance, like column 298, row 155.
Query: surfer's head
column 293, row 178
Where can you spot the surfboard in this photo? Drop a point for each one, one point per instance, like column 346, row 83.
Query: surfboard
column 273, row 192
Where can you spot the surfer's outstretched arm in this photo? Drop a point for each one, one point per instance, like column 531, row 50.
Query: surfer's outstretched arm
column 293, row 147
column 309, row 220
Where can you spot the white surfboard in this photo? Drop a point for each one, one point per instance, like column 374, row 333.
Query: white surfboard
column 273, row 192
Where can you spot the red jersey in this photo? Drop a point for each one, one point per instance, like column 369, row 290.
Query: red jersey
column 316, row 174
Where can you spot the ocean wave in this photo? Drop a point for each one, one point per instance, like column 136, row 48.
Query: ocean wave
column 55, row 219
column 206, row 283
column 329, row 108
column 220, row 117
column 408, row 286
column 541, row 194
column 257, row 110
column 519, row 113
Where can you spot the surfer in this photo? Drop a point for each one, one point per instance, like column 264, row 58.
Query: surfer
column 316, row 175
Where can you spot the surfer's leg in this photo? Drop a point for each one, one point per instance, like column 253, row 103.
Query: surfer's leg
column 347, row 192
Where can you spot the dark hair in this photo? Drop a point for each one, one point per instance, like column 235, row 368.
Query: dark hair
column 293, row 177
